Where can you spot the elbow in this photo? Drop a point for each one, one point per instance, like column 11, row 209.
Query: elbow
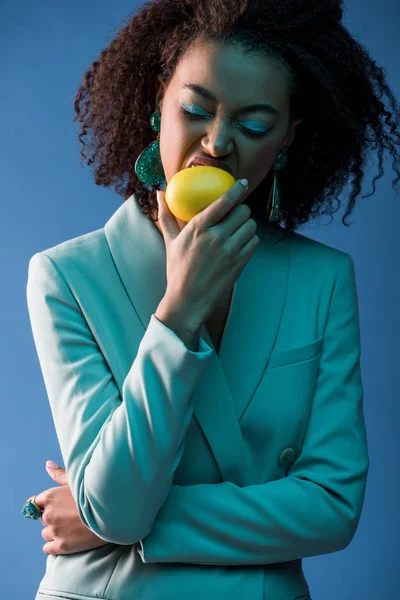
column 349, row 524
column 121, row 538
column 117, row 522
column 352, row 526
column 109, row 525
column 343, row 523
column 352, row 506
column 355, row 507
column 346, row 536
column 125, row 536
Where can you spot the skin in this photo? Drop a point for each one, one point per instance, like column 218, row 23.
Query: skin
column 236, row 80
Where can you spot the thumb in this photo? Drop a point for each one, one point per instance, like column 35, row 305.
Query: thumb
column 166, row 219
column 56, row 472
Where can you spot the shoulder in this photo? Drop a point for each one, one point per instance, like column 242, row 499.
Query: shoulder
column 79, row 252
column 306, row 248
column 312, row 265
column 309, row 256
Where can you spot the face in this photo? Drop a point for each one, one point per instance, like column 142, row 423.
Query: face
column 248, row 142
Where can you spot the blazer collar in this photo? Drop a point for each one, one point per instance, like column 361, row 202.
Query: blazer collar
column 231, row 378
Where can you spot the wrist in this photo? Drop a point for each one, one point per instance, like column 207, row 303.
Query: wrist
column 181, row 321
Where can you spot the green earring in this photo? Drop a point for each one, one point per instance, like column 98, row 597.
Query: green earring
column 273, row 207
column 148, row 166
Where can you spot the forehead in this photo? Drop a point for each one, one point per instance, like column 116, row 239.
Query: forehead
column 234, row 77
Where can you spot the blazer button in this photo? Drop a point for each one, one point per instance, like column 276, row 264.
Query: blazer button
column 286, row 457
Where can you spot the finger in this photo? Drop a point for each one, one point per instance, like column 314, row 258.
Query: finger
column 42, row 498
column 47, row 535
column 57, row 474
column 51, row 548
column 216, row 211
column 166, row 219
column 234, row 196
column 39, row 500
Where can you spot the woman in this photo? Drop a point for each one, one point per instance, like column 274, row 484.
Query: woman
column 204, row 377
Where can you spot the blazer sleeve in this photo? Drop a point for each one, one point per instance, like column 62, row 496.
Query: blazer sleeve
column 120, row 450
column 313, row 510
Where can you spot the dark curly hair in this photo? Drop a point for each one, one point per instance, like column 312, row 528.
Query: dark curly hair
column 336, row 87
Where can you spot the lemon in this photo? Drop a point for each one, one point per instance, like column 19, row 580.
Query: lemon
column 191, row 190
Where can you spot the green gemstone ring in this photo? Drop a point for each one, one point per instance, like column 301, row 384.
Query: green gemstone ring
column 31, row 510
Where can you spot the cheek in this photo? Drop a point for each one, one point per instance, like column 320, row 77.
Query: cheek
column 260, row 158
column 258, row 167
column 176, row 147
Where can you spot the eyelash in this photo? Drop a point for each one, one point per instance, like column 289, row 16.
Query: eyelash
column 194, row 116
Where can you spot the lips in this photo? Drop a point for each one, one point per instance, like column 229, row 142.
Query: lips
column 208, row 162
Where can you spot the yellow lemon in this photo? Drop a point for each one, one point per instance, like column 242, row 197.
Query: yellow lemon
column 191, row 190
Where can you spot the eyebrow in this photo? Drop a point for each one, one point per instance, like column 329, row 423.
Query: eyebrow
column 202, row 91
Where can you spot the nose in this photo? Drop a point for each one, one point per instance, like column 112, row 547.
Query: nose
column 219, row 141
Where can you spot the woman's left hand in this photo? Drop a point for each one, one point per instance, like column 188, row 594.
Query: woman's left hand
column 64, row 532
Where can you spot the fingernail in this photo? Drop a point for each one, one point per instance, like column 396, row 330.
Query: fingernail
column 52, row 465
column 244, row 182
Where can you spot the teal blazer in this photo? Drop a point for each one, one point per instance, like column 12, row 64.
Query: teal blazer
column 210, row 476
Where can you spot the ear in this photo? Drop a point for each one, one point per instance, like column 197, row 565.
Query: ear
column 161, row 89
column 291, row 133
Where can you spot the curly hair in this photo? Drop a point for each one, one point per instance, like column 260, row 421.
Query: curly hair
column 335, row 86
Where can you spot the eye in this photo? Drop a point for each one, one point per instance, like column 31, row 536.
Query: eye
column 193, row 116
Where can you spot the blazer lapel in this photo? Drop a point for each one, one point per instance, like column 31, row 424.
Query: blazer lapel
column 228, row 384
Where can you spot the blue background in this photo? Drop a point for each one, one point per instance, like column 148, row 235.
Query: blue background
column 46, row 198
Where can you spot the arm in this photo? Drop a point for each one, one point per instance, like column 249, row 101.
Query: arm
column 120, row 450
column 316, row 508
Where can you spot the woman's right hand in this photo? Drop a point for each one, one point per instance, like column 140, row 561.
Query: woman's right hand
column 205, row 259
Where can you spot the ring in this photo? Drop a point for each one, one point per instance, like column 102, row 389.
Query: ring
column 31, row 510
